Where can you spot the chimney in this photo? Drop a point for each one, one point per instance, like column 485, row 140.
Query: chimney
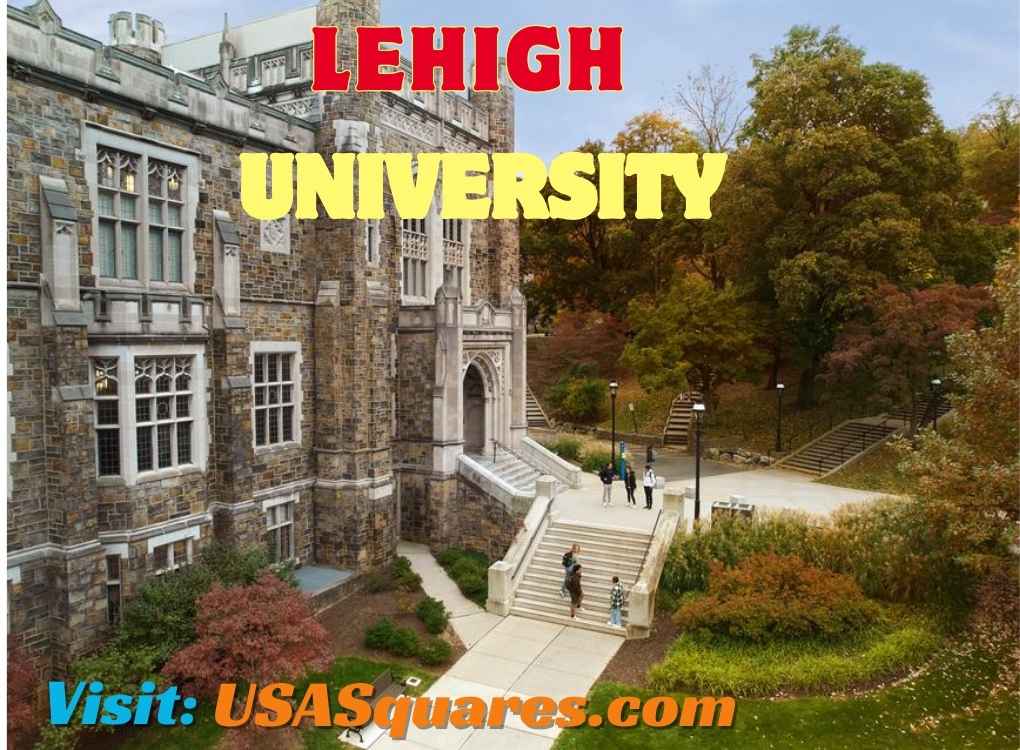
column 138, row 34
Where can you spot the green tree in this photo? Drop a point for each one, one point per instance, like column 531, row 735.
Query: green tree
column 694, row 333
column 989, row 148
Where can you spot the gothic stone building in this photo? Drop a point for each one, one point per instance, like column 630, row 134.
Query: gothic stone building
column 181, row 373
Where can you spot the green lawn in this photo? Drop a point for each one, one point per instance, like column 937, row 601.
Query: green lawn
column 878, row 471
column 951, row 705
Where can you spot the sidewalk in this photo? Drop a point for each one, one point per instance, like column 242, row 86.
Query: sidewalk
column 507, row 656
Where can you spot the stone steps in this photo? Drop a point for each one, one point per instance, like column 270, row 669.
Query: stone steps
column 534, row 412
column 836, row 447
column 681, row 417
column 511, row 468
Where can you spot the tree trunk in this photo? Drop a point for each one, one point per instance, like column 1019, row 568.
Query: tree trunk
column 777, row 358
column 806, row 396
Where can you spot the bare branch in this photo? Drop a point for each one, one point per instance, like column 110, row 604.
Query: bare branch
column 708, row 105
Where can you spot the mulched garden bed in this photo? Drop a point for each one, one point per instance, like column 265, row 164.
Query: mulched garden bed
column 347, row 621
column 631, row 663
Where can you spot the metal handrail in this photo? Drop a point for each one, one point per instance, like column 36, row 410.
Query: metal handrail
column 651, row 538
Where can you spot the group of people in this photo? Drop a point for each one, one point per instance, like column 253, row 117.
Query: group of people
column 572, row 588
column 608, row 475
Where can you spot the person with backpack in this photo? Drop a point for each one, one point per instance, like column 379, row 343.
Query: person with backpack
column 630, row 483
column 568, row 562
column 616, row 603
column 607, row 475
column 649, row 484
column 574, row 587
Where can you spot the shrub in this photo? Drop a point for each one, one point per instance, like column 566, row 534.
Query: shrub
column 403, row 576
column 435, row 651
column 595, row 460
column 385, row 636
column 768, row 597
column 578, row 398
column 256, row 633
column 162, row 614
column 22, row 684
column 433, row 613
column 469, row 570
column 235, row 566
column 567, row 448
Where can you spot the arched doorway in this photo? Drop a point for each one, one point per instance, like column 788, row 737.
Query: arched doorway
column 474, row 411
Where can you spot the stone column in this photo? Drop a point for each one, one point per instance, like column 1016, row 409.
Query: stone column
column 448, row 392
column 518, row 368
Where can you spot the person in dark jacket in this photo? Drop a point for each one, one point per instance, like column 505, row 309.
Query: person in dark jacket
column 606, row 475
column 630, row 482
column 569, row 561
column 574, row 587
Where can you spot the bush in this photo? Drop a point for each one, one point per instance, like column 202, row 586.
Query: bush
column 385, row 636
column 162, row 614
column 567, row 448
column 22, row 684
column 433, row 613
column 595, row 461
column 772, row 597
column 403, row 576
column 435, row 651
column 578, row 398
column 469, row 570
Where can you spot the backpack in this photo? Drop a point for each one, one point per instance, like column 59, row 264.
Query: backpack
column 568, row 558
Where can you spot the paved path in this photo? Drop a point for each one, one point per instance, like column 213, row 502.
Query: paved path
column 506, row 656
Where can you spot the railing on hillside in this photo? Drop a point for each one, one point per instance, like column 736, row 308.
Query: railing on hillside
column 651, row 536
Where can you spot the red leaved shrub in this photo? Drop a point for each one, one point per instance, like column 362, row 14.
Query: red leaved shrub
column 769, row 596
column 22, row 686
column 257, row 633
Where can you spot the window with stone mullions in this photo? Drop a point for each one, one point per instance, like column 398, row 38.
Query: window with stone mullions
column 107, row 405
column 118, row 209
column 274, row 398
column 163, row 414
column 453, row 252
column 280, row 532
column 415, row 248
column 166, row 224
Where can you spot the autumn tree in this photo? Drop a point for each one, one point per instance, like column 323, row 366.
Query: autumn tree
column 967, row 472
column 22, row 686
column 694, row 335
column 989, row 146
column 260, row 632
column 898, row 343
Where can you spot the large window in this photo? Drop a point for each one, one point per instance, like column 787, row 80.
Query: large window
column 149, row 410
column 145, row 198
column 172, row 555
column 163, row 416
column 275, row 384
column 453, row 252
column 113, row 591
column 414, row 243
column 280, row 531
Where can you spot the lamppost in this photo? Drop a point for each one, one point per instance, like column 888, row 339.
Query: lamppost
column 614, row 387
column 699, row 409
column 936, row 395
column 779, row 421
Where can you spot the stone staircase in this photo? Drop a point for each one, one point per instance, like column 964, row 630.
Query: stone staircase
column 535, row 413
column 837, row 447
column 605, row 552
column 681, row 415
column 923, row 412
column 513, row 470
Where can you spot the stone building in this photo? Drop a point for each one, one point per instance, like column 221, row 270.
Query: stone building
column 181, row 373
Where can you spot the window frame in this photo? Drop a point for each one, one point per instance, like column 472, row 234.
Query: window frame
column 292, row 348
column 126, row 355
column 290, row 499
column 147, row 151
column 415, row 271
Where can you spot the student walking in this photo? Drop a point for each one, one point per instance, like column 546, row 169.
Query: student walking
column 569, row 560
column 606, row 475
column 649, row 484
column 616, row 603
column 630, row 482
column 574, row 587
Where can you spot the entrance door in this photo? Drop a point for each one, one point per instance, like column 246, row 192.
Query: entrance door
column 474, row 412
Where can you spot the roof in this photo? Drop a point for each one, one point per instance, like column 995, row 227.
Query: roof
column 264, row 35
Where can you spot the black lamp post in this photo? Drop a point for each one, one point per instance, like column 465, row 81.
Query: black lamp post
column 936, row 395
column 779, row 420
column 614, row 387
column 699, row 409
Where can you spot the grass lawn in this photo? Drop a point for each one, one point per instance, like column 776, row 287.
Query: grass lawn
column 956, row 703
column 204, row 733
column 878, row 471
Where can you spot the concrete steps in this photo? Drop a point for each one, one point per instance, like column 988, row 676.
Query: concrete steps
column 837, row 447
column 605, row 552
column 511, row 469
column 681, row 417
column 534, row 412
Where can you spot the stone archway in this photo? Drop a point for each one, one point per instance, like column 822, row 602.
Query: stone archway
column 474, row 410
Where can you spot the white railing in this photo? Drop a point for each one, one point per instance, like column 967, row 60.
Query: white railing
column 538, row 455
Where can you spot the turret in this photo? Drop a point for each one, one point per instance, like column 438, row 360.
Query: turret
column 138, row 34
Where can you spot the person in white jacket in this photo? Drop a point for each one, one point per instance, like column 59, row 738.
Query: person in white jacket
column 649, row 485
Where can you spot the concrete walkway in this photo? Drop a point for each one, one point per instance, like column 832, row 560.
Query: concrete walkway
column 507, row 656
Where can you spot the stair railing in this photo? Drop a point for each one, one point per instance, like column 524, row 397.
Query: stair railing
column 644, row 557
column 538, row 532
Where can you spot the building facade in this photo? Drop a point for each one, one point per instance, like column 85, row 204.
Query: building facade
column 181, row 373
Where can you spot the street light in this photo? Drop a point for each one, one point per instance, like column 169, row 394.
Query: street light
column 779, row 421
column 699, row 409
column 936, row 392
column 613, row 388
